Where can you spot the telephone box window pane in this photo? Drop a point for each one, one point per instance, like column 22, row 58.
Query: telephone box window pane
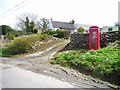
column 94, row 37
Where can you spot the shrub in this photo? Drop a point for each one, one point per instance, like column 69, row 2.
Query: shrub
column 9, row 32
column 80, row 29
column 29, row 33
column 4, row 52
column 24, row 44
column 19, row 47
column 6, row 29
column 103, row 63
column 59, row 33
column 11, row 36
column 51, row 32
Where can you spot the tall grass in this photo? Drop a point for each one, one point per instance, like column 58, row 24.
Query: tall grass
column 23, row 44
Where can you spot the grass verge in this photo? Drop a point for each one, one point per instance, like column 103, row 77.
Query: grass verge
column 103, row 63
column 4, row 54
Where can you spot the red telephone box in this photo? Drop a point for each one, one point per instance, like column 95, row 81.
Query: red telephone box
column 94, row 38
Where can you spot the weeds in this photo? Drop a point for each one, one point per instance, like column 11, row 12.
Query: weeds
column 103, row 63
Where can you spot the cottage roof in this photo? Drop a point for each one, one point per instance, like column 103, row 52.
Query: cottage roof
column 63, row 25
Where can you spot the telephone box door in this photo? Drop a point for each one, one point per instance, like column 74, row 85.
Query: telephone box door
column 94, row 38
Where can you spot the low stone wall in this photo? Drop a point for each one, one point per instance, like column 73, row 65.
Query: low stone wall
column 80, row 41
column 108, row 37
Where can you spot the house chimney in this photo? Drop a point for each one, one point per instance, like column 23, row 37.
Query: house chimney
column 72, row 22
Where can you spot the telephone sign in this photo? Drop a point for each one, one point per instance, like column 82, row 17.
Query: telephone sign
column 94, row 38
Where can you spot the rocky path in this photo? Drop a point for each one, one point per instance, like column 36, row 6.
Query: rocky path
column 40, row 63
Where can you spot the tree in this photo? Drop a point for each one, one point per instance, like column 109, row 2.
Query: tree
column 6, row 29
column 80, row 29
column 27, row 25
column 27, row 22
column 9, row 32
column 43, row 25
column 32, row 26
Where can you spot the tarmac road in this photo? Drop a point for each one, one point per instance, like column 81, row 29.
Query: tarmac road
column 13, row 77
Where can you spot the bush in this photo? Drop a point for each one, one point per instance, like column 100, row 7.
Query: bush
column 19, row 47
column 24, row 44
column 6, row 29
column 81, row 30
column 9, row 32
column 4, row 52
column 51, row 32
column 11, row 36
column 103, row 63
column 59, row 33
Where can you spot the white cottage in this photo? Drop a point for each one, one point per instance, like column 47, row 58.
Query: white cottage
column 109, row 28
column 71, row 26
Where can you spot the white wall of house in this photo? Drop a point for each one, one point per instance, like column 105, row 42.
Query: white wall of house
column 50, row 26
column 39, row 31
column 109, row 28
column 75, row 30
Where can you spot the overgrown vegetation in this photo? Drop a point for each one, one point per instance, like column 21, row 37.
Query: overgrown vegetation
column 9, row 32
column 24, row 44
column 103, row 63
column 3, row 53
column 81, row 29
column 59, row 33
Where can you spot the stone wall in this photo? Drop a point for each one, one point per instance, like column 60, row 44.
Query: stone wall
column 108, row 37
column 80, row 41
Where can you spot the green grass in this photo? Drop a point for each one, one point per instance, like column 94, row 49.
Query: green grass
column 103, row 63
column 24, row 44
column 3, row 53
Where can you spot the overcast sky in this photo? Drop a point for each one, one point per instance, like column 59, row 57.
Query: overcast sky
column 92, row 12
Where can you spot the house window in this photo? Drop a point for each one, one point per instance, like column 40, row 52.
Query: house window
column 110, row 29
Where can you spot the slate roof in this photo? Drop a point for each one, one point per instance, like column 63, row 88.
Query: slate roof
column 63, row 25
